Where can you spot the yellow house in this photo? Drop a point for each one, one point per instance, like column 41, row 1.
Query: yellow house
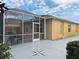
column 58, row 28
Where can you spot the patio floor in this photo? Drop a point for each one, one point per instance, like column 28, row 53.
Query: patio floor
column 44, row 49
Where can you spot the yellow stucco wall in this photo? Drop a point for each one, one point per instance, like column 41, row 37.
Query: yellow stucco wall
column 56, row 26
column 54, row 29
column 78, row 29
column 49, row 29
column 73, row 29
column 57, row 29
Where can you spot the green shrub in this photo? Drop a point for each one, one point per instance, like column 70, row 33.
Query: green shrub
column 4, row 51
column 72, row 50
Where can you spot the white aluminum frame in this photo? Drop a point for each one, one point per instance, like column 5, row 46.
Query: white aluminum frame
column 23, row 29
column 4, row 35
column 35, row 23
column 4, row 27
column 45, row 36
column 33, row 39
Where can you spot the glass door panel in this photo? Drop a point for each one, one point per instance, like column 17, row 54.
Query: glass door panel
column 36, row 32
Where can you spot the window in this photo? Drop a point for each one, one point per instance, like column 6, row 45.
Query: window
column 41, row 28
column 36, row 27
column 76, row 28
column 42, row 25
column 69, row 27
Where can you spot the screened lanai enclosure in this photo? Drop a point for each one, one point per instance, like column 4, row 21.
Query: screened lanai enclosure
column 20, row 26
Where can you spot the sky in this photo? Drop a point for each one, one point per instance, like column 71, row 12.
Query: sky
column 65, row 9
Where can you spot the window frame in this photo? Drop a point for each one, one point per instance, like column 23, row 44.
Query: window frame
column 69, row 27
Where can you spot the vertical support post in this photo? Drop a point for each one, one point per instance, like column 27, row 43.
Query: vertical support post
column 4, row 28
column 32, row 30
column 45, row 28
column 39, row 28
column 1, row 27
column 22, row 29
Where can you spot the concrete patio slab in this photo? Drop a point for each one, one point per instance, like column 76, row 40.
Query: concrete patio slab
column 44, row 49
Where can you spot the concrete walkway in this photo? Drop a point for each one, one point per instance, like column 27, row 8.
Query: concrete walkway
column 44, row 49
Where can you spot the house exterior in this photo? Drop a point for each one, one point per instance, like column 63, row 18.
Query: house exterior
column 58, row 28
column 19, row 26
